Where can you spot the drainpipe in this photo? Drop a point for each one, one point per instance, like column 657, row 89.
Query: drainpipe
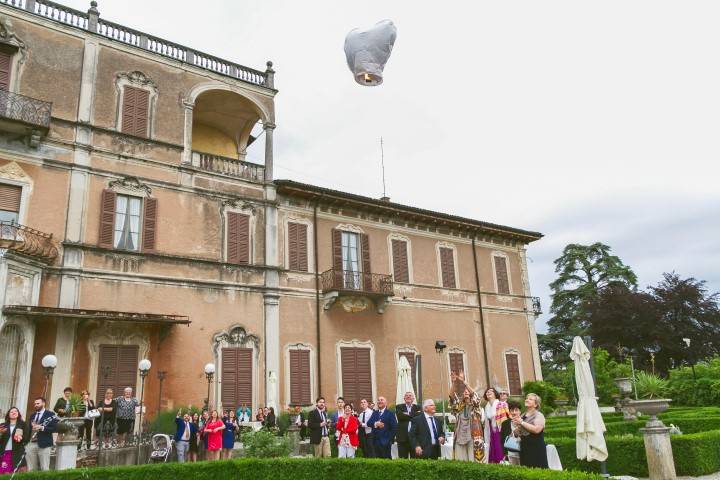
column 482, row 316
column 317, row 297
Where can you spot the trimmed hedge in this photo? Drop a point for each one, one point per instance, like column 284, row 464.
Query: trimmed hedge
column 685, row 424
column 694, row 454
column 312, row 469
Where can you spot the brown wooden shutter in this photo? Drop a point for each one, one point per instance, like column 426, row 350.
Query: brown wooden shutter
column 5, row 68
column 400, row 261
column 107, row 219
column 236, row 383
column 135, row 111
column 513, row 372
column 367, row 271
column 356, row 374
column 411, row 359
column 238, row 238
column 10, row 196
column 122, row 364
column 337, row 258
column 447, row 267
column 501, row 274
column 300, row 377
column 297, row 247
column 149, row 224
column 456, row 363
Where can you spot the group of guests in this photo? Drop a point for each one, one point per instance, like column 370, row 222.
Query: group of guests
column 482, row 424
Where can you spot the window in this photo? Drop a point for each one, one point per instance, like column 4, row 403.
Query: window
column 117, row 369
column 10, row 196
column 351, row 259
column 356, row 374
column 238, row 238
column 135, row 110
column 236, row 384
column 127, row 223
column 300, row 377
column 121, row 218
column 501, row 275
column 401, row 272
column 297, row 247
column 513, row 373
column 5, row 69
column 447, row 267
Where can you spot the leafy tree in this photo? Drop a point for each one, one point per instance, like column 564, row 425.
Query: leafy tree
column 583, row 271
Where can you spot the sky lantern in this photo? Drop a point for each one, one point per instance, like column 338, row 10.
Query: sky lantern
column 367, row 51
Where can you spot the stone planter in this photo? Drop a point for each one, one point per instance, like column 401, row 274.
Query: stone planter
column 652, row 408
column 656, row 436
column 67, row 442
column 624, row 384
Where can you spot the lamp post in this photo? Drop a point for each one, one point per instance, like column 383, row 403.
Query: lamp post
column 440, row 348
column 49, row 362
column 209, row 374
column 161, row 377
column 144, row 367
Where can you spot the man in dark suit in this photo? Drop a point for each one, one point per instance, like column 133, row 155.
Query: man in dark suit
column 318, row 423
column 405, row 413
column 185, row 429
column 426, row 433
column 384, row 428
column 43, row 422
column 365, row 435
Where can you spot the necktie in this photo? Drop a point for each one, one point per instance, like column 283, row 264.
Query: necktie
column 37, row 417
column 434, row 429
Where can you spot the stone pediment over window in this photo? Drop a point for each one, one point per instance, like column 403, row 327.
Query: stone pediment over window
column 8, row 37
column 236, row 336
column 130, row 186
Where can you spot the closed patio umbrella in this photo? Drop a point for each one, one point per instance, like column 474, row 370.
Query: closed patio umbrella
column 404, row 383
column 590, row 439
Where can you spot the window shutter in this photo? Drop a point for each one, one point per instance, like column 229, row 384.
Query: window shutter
column 10, row 196
column 300, row 377
column 238, row 238
column 236, row 386
column 149, row 224
column 365, row 254
column 337, row 257
column 297, row 247
column 5, row 67
column 456, row 363
column 127, row 367
column 107, row 358
column 501, row 274
column 244, row 392
column 122, row 361
column 107, row 219
column 400, row 261
column 513, row 372
column 356, row 374
column 447, row 267
column 411, row 360
column 135, row 111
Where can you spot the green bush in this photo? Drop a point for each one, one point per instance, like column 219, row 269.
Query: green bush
column 685, row 424
column 265, row 444
column 703, row 389
column 313, row 469
column 548, row 394
column 164, row 422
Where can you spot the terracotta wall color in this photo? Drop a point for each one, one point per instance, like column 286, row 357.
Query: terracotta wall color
column 44, row 343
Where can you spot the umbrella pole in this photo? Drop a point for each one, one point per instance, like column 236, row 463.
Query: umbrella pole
column 588, row 343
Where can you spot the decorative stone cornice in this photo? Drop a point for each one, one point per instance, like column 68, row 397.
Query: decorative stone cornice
column 130, row 185
column 138, row 78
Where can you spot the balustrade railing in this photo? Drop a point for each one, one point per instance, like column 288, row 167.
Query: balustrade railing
column 91, row 22
column 229, row 166
column 365, row 282
column 25, row 109
column 28, row 241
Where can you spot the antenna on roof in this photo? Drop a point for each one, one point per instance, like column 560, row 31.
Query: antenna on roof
column 384, row 198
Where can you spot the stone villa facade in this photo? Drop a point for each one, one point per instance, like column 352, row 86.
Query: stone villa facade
column 133, row 227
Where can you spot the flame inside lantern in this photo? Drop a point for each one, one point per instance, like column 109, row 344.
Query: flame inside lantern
column 367, row 51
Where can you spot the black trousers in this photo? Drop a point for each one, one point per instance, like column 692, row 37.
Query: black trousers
column 367, row 444
column 404, row 450
column 85, row 430
column 383, row 451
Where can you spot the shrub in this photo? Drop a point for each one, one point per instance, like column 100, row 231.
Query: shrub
column 548, row 394
column 265, row 444
column 312, row 469
column 650, row 386
column 685, row 424
column 701, row 389
column 164, row 422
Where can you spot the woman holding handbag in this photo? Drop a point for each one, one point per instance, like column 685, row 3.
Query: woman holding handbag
column 89, row 414
column 346, row 429
column 13, row 438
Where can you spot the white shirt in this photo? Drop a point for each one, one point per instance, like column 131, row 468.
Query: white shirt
column 323, row 418
column 10, row 437
column 429, row 419
column 186, row 433
column 408, row 410
column 365, row 417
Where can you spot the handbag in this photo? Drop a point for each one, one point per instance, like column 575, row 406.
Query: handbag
column 94, row 413
column 512, row 444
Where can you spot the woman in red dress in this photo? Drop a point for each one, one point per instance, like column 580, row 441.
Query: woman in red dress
column 347, row 433
column 213, row 430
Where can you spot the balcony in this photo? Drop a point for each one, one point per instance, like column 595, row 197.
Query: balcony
column 24, row 115
column 27, row 241
column 229, row 166
column 356, row 290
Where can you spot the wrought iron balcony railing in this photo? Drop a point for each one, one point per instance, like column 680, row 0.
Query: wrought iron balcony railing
column 229, row 166
column 28, row 241
column 28, row 110
column 361, row 282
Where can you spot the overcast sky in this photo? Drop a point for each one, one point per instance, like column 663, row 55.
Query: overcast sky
column 587, row 121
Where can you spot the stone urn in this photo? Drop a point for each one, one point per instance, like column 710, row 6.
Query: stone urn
column 624, row 384
column 656, row 437
column 651, row 407
column 69, row 427
column 67, row 442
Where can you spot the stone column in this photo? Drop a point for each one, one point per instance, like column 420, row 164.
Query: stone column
column 187, row 137
column 661, row 465
column 67, row 443
column 269, row 129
